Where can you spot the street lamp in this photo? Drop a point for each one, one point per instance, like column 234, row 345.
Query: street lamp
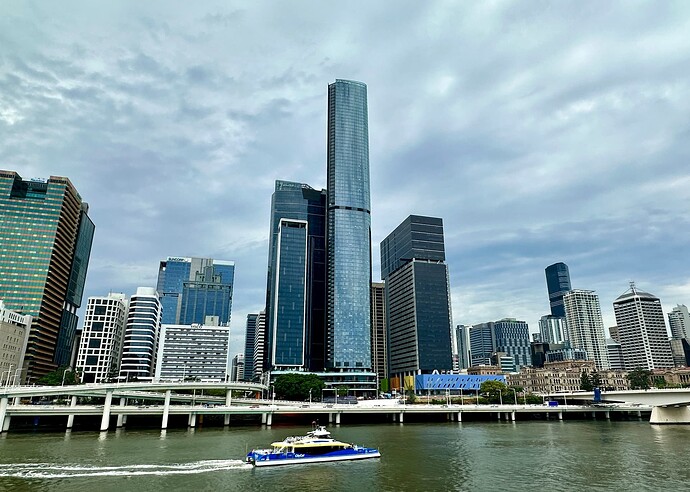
column 64, row 374
column 500, row 396
column 309, row 396
column 273, row 395
column 515, row 395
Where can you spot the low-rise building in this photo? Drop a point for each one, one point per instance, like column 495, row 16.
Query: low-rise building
column 14, row 334
column 564, row 376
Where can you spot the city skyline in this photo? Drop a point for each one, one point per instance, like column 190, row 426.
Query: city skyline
column 565, row 147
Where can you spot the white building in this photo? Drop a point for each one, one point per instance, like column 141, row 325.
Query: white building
column 552, row 329
column 142, row 332
column 259, row 346
column 679, row 320
column 14, row 335
column 100, row 345
column 237, row 368
column 585, row 326
column 193, row 352
column 642, row 330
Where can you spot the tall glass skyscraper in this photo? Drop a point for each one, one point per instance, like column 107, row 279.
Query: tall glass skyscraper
column 557, row 283
column 45, row 245
column 296, row 285
column 193, row 288
column 349, row 228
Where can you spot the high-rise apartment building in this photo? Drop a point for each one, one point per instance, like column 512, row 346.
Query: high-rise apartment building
column 193, row 288
column 249, row 338
column 259, row 347
column 642, row 329
column 679, row 321
column 557, row 283
column 614, row 334
column 101, row 339
column 552, row 329
column 379, row 345
column 418, row 313
column 45, row 245
column 585, row 325
column 296, row 285
column 348, row 231
column 193, row 352
column 142, row 334
column 14, row 335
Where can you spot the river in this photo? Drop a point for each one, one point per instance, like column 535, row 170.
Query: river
column 477, row 456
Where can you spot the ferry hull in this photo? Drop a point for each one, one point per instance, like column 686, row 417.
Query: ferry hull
column 313, row 459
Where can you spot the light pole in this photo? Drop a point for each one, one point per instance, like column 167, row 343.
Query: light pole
column 500, row 396
column 309, row 396
column 515, row 395
column 273, row 395
column 64, row 374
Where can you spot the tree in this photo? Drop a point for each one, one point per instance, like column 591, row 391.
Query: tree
column 639, row 378
column 493, row 389
column 296, row 386
column 586, row 382
column 595, row 379
column 58, row 377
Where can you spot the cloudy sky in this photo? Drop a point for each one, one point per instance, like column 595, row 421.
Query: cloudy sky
column 538, row 131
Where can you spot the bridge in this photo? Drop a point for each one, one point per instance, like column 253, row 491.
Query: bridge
column 669, row 406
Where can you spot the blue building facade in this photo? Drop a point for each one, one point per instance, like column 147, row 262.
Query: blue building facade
column 193, row 288
column 557, row 283
column 417, row 297
column 482, row 343
column 349, row 228
column 453, row 382
column 296, row 285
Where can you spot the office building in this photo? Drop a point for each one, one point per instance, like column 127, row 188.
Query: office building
column 259, row 347
column 193, row 288
column 585, row 325
column 249, row 339
column 348, row 344
column 614, row 334
column 379, row 342
column 680, row 351
column 482, row 344
column 98, row 358
column 142, row 334
column 237, row 367
column 512, row 339
column 417, row 290
column 615, row 351
column 557, row 284
column 642, row 329
column 14, row 335
column 552, row 329
column 296, row 285
column 462, row 341
column 45, row 245
column 679, row 321
column 196, row 352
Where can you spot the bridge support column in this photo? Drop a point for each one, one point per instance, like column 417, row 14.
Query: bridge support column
column 121, row 417
column 670, row 415
column 269, row 419
column 4, row 401
column 70, row 418
column 608, row 415
column 498, row 415
column 16, row 400
column 263, row 419
column 166, row 410
column 639, row 415
column 191, row 422
column 594, row 415
column 228, row 403
column 105, row 420
column 512, row 415
column 331, row 418
column 560, row 415
column 401, row 417
column 459, row 416
column 337, row 419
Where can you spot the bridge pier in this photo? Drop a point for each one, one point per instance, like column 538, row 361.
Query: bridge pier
column 4, row 401
column 121, row 417
column 105, row 420
column 166, row 410
column 269, row 420
column 639, row 414
column 331, row 418
column 228, row 403
column 263, row 419
column 70, row 417
column 608, row 415
column 512, row 415
column 670, row 415
column 459, row 416
column 191, row 421
column 401, row 417
column 337, row 419
column 560, row 415
column 594, row 415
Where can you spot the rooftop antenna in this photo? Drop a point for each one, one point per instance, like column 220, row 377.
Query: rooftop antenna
column 632, row 287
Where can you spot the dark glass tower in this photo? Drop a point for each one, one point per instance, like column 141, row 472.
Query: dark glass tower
column 349, row 224
column 296, row 284
column 249, row 339
column 45, row 245
column 557, row 283
column 417, row 290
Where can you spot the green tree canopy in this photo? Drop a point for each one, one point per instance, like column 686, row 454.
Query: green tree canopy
column 493, row 389
column 296, row 386
column 639, row 378
column 586, row 381
column 56, row 377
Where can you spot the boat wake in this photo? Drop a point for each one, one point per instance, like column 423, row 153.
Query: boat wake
column 53, row 470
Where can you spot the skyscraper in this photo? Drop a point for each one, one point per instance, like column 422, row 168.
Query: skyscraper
column 259, row 346
column 512, row 338
column 249, row 338
column 142, row 334
column 45, row 245
column 296, row 283
column 642, row 330
column 585, row 325
column 379, row 342
column 557, row 283
column 193, row 288
column 417, row 297
column 482, row 343
column 348, row 231
column 552, row 329
column 679, row 321
column 100, row 344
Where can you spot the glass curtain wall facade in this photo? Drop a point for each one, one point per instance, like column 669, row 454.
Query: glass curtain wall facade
column 557, row 283
column 296, row 281
column 482, row 343
column 512, row 338
column 45, row 243
column 349, row 228
column 249, row 337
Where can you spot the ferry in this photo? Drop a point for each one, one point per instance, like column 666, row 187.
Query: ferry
column 316, row 447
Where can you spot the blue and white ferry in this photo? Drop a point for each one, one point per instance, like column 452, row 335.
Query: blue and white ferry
column 316, row 447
